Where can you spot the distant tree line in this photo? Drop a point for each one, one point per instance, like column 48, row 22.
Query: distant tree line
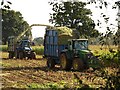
column 38, row 41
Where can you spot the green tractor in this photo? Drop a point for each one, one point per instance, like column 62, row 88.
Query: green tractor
column 76, row 55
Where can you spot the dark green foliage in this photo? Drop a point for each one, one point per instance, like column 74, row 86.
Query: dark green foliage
column 117, row 38
column 108, row 38
column 38, row 41
column 12, row 24
column 112, row 80
column 110, row 59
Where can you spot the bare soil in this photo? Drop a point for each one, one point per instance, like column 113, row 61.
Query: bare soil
column 24, row 73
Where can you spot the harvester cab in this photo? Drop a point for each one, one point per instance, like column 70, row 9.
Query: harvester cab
column 24, row 44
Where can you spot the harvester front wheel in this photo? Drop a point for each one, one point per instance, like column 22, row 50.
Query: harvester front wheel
column 33, row 55
column 50, row 63
column 78, row 64
column 65, row 64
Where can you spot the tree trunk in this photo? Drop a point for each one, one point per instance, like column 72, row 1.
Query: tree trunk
column 118, row 29
column 119, row 41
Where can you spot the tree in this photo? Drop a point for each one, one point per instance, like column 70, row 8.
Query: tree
column 117, row 38
column 73, row 15
column 105, row 3
column 5, row 4
column 12, row 24
column 38, row 41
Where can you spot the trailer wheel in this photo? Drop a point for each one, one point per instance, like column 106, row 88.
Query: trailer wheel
column 50, row 63
column 65, row 64
column 20, row 55
column 78, row 64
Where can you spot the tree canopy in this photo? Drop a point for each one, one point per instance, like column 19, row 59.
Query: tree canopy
column 73, row 15
column 12, row 24
column 5, row 4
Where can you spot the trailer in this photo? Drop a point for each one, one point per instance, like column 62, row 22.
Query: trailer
column 52, row 49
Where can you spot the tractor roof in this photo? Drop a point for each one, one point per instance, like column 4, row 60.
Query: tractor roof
column 78, row 39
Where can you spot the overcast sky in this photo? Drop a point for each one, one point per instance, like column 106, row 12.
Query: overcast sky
column 37, row 12
column 34, row 12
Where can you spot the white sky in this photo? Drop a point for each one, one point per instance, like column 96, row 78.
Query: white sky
column 37, row 12
column 34, row 12
column 112, row 13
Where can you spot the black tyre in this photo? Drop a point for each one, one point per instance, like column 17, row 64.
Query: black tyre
column 10, row 55
column 33, row 55
column 50, row 63
column 16, row 54
column 20, row 55
column 78, row 64
column 65, row 64
column 86, row 66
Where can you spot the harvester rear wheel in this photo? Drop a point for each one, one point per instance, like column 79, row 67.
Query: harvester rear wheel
column 16, row 54
column 10, row 55
column 50, row 63
column 20, row 55
column 65, row 64
column 78, row 64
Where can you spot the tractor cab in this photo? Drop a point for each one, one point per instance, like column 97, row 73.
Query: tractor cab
column 78, row 44
column 79, row 48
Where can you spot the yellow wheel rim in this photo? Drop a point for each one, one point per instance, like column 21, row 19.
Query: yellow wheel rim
column 63, row 61
column 75, row 66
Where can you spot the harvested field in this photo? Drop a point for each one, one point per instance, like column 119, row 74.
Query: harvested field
column 35, row 74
